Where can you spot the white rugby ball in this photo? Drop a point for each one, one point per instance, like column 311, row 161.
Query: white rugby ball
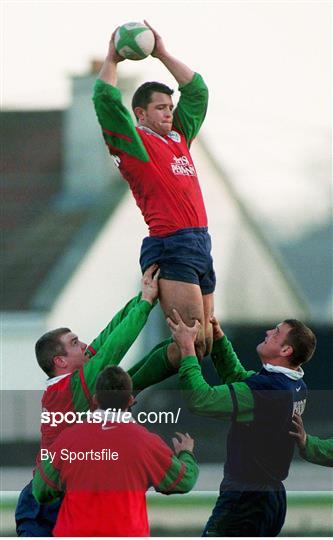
column 134, row 41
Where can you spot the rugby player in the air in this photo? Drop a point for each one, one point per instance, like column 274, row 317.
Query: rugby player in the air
column 154, row 158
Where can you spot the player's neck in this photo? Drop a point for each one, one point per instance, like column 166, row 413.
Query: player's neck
column 280, row 361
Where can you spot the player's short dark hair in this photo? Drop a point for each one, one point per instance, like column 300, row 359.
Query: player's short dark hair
column 302, row 340
column 113, row 388
column 142, row 96
column 48, row 346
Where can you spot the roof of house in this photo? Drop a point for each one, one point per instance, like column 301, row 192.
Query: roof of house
column 37, row 231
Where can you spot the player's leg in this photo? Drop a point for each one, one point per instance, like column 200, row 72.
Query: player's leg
column 207, row 286
column 139, row 364
column 246, row 513
column 159, row 364
column 187, row 277
column 226, row 519
column 32, row 518
column 208, row 305
column 187, row 299
column 277, row 504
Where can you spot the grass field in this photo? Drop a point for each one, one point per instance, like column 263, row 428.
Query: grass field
column 309, row 514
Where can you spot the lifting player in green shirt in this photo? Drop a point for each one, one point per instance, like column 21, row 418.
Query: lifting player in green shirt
column 252, row 499
column 72, row 368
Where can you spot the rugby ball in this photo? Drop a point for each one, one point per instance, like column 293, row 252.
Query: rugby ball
column 134, row 41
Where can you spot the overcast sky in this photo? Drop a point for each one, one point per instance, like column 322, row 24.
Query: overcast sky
column 267, row 65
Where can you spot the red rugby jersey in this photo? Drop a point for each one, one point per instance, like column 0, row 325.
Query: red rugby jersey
column 104, row 497
column 159, row 170
column 73, row 392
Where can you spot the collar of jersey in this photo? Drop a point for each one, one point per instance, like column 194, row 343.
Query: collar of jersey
column 109, row 416
column 54, row 380
column 290, row 373
column 151, row 132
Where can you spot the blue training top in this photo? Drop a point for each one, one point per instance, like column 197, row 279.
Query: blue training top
column 261, row 451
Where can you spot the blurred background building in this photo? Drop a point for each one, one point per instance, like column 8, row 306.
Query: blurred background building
column 70, row 257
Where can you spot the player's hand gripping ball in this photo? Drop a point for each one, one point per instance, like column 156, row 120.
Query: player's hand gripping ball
column 134, row 41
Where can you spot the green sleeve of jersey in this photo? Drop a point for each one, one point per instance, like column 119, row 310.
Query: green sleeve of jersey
column 319, row 451
column 153, row 368
column 116, row 122
column 46, row 487
column 227, row 363
column 223, row 401
column 96, row 344
column 110, row 353
column 181, row 475
column 191, row 109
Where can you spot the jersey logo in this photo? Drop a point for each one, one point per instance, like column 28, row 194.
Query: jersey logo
column 182, row 166
column 174, row 136
column 299, row 407
column 298, row 389
column 116, row 160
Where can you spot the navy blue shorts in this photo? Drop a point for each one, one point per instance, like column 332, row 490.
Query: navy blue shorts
column 243, row 510
column 33, row 519
column 183, row 256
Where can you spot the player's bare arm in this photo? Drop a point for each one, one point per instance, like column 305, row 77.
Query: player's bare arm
column 108, row 71
column 182, row 73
